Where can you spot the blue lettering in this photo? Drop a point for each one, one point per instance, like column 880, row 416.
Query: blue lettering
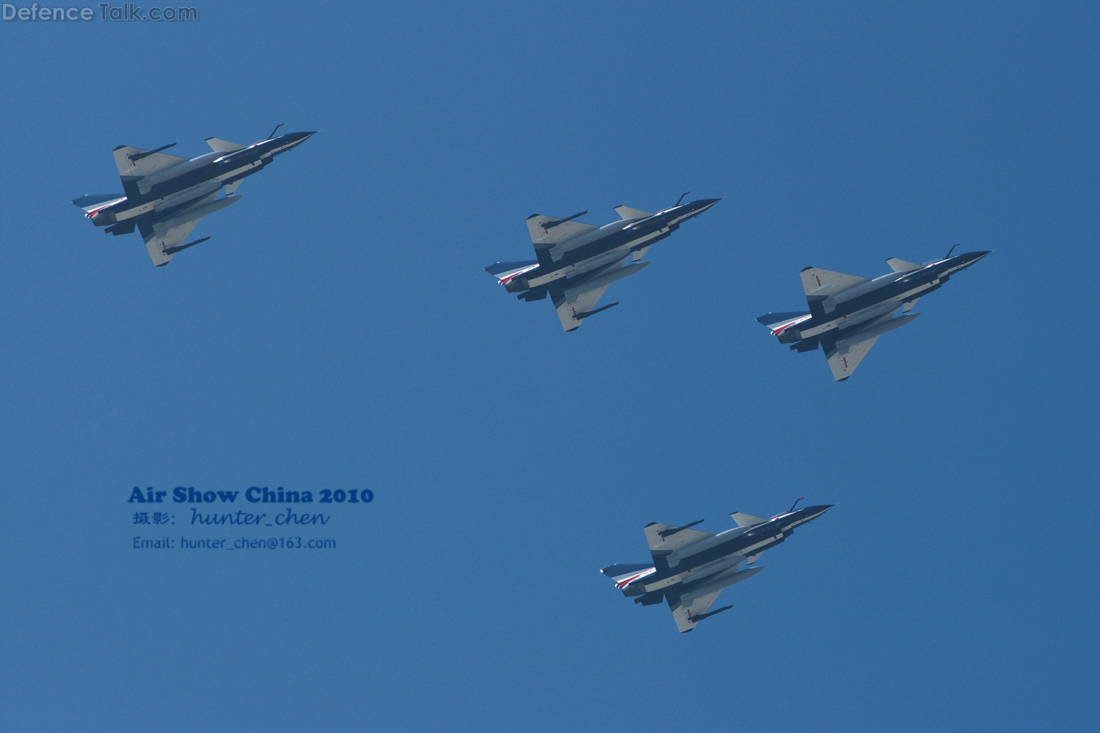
column 291, row 518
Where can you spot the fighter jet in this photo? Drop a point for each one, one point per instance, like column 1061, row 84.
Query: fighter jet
column 848, row 313
column 165, row 195
column 577, row 262
column 691, row 567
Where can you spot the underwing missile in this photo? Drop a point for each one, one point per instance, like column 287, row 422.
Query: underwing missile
column 579, row 316
column 146, row 153
column 173, row 250
column 559, row 222
column 674, row 530
column 702, row 616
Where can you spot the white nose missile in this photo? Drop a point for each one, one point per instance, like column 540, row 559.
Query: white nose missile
column 188, row 195
column 725, row 580
column 849, row 321
column 162, row 227
column 596, row 263
column 715, row 568
column 603, row 280
column 877, row 330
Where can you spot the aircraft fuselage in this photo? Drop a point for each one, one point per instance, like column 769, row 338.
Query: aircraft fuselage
column 701, row 561
column 871, row 300
column 608, row 245
column 179, row 185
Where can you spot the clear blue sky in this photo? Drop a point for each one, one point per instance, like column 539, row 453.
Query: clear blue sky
column 338, row 331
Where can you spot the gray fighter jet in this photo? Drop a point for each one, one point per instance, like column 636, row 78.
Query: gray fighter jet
column 577, row 262
column 848, row 313
column 165, row 195
column 691, row 567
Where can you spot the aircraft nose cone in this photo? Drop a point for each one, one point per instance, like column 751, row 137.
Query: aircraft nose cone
column 695, row 208
column 297, row 138
column 970, row 258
